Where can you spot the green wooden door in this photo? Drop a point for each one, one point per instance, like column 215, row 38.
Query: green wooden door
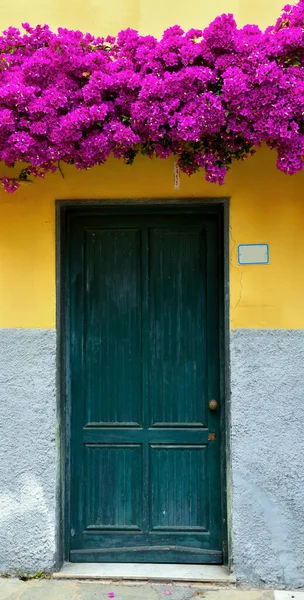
column 143, row 364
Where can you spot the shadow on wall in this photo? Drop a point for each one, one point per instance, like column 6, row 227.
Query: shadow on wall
column 26, row 527
column 27, row 449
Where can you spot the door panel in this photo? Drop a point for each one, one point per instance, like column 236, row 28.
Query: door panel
column 112, row 326
column 177, row 315
column 113, row 474
column 143, row 357
column 178, row 499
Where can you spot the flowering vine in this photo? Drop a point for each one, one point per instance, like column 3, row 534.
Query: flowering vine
column 208, row 97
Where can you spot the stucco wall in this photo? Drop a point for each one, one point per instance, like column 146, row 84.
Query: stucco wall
column 27, row 449
column 266, row 301
column 267, row 478
column 267, row 429
column 266, row 206
column 266, row 314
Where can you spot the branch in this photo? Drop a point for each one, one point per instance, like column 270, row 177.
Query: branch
column 60, row 170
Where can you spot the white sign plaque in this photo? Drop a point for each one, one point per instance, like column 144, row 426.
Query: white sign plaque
column 253, row 254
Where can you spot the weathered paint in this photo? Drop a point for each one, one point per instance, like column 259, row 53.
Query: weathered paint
column 144, row 298
column 267, row 416
column 28, row 449
column 266, row 206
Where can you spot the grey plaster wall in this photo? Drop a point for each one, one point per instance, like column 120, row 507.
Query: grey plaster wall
column 267, row 453
column 27, row 449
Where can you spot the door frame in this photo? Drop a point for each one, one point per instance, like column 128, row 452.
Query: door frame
column 64, row 208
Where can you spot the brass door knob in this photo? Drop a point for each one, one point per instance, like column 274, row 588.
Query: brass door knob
column 213, row 405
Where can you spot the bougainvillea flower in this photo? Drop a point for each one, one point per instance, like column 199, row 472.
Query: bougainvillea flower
column 208, row 97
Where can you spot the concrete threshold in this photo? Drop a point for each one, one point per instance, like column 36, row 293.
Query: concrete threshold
column 214, row 574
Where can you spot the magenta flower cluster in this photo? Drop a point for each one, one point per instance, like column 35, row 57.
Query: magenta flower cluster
column 208, row 97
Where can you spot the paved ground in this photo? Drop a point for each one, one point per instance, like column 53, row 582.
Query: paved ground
column 14, row 589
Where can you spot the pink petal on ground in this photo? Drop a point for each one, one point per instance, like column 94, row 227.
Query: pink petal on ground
column 168, row 593
column 111, row 595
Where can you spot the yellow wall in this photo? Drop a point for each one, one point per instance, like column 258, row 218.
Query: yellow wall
column 148, row 16
column 266, row 206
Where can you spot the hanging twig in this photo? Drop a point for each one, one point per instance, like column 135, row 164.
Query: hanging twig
column 60, row 170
